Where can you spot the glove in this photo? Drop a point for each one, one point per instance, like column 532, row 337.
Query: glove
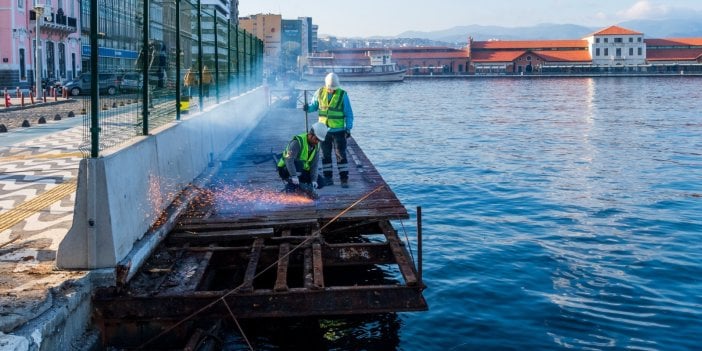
column 306, row 107
column 315, row 185
column 348, row 133
column 295, row 180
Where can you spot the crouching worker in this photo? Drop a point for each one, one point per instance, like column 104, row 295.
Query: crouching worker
column 299, row 163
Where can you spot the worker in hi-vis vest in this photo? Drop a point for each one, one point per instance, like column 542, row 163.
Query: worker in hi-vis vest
column 334, row 109
column 299, row 163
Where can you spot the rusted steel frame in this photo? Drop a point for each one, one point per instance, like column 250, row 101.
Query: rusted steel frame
column 308, row 274
column 355, row 254
column 219, row 236
column 250, row 274
column 265, row 303
column 281, row 281
column 291, row 239
column 199, row 224
column 317, row 266
column 363, row 227
column 401, row 254
column 333, row 254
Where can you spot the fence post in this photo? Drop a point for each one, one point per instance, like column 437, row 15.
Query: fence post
column 199, row 53
column 178, row 58
column 216, row 53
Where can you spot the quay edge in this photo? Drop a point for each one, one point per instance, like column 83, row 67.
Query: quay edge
column 61, row 318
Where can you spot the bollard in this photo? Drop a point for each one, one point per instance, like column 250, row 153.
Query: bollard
column 31, row 97
column 22, row 98
column 7, row 100
column 18, row 92
column 53, row 91
column 43, row 94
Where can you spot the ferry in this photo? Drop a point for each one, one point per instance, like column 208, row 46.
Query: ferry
column 374, row 66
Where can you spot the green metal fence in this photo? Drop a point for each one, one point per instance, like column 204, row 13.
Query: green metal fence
column 151, row 61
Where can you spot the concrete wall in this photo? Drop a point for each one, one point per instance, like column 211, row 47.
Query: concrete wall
column 121, row 194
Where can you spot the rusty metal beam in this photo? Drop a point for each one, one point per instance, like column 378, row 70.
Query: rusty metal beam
column 317, row 266
column 401, row 254
column 207, row 237
column 247, row 285
column 263, row 303
column 281, row 282
column 307, row 272
column 205, row 224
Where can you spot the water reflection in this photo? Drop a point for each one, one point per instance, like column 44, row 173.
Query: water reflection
column 370, row 332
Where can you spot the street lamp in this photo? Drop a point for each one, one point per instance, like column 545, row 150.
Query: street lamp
column 39, row 12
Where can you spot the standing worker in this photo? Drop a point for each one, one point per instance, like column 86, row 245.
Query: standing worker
column 335, row 112
column 206, row 81
column 190, row 80
column 299, row 164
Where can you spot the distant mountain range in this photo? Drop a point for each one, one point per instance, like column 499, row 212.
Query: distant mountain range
column 673, row 28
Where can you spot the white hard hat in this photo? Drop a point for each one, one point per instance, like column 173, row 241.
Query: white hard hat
column 331, row 81
column 319, row 130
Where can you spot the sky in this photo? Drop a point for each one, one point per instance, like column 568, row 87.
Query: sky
column 364, row 18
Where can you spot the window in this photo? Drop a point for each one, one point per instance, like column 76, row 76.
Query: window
column 528, row 58
column 597, row 40
column 618, row 40
column 631, row 39
column 631, row 51
column 23, row 68
column 20, row 4
column 619, row 52
column 640, row 51
column 597, row 52
column 606, row 52
column 606, row 40
column 638, row 39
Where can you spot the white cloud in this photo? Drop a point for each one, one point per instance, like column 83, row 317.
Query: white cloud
column 645, row 9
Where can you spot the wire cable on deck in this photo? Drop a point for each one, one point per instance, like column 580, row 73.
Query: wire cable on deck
column 315, row 235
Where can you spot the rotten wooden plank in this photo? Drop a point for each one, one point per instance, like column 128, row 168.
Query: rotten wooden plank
column 186, row 274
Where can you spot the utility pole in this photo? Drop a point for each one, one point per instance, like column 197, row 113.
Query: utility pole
column 39, row 14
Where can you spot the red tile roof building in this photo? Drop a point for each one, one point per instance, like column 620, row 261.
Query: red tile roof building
column 613, row 49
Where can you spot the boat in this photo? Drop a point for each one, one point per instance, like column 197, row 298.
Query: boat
column 374, row 66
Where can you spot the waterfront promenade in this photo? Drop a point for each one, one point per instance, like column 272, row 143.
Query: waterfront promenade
column 37, row 193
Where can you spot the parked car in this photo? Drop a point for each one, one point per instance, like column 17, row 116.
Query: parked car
column 133, row 82
column 108, row 84
column 130, row 82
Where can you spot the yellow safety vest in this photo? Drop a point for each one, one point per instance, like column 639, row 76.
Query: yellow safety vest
column 331, row 111
column 305, row 155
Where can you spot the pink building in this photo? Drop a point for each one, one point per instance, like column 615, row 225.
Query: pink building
column 59, row 38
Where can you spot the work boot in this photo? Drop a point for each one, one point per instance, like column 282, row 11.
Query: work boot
column 345, row 183
column 328, row 181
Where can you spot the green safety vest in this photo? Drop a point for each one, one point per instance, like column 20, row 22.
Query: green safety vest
column 331, row 112
column 305, row 155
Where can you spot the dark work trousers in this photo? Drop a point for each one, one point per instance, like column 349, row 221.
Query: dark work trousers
column 305, row 176
column 338, row 141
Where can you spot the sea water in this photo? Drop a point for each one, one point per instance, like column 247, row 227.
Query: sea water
column 559, row 213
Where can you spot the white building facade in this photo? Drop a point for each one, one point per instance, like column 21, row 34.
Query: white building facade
column 617, row 46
